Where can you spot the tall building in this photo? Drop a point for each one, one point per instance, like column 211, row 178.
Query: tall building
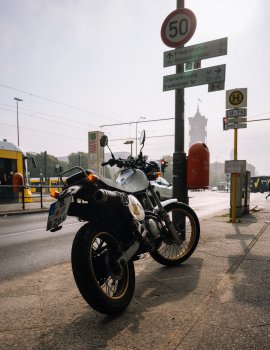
column 197, row 128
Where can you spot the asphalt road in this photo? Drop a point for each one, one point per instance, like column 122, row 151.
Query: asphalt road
column 26, row 246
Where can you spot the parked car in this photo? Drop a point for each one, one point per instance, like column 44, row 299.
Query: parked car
column 214, row 188
column 163, row 188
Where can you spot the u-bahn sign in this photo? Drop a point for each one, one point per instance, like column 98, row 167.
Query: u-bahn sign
column 178, row 27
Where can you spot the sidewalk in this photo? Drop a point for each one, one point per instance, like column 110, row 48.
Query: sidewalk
column 17, row 208
column 218, row 299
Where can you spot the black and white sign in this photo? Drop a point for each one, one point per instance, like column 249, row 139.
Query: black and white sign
column 236, row 112
column 235, row 166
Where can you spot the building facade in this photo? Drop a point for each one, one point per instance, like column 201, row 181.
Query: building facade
column 197, row 128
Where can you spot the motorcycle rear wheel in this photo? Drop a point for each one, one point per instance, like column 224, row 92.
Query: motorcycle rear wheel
column 188, row 227
column 104, row 286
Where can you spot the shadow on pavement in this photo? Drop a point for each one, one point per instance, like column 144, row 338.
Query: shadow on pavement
column 160, row 291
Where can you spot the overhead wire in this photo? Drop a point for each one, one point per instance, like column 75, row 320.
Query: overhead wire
column 41, row 118
column 45, row 132
column 47, row 114
column 57, row 102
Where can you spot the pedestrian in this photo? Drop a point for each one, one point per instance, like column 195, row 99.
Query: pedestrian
column 268, row 189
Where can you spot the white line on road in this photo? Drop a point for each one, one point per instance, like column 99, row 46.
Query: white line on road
column 37, row 229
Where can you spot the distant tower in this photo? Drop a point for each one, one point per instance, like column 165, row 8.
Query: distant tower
column 197, row 128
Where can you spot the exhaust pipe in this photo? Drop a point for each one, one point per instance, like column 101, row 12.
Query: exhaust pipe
column 106, row 196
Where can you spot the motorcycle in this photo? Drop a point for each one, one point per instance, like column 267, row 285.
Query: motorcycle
column 124, row 219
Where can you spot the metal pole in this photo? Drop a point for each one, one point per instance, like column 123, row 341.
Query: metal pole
column 179, row 157
column 41, row 198
column 45, row 167
column 136, row 138
column 234, row 179
column 18, row 129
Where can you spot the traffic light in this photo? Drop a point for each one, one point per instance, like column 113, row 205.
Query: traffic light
column 164, row 164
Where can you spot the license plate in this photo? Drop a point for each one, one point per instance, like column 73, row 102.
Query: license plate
column 58, row 212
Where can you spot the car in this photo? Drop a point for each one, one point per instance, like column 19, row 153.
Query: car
column 214, row 188
column 163, row 188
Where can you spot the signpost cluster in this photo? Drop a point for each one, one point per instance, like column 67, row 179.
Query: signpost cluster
column 177, row 29
column 192, row 55
column 236, row 118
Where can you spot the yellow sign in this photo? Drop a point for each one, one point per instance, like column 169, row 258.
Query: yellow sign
column 236, row 98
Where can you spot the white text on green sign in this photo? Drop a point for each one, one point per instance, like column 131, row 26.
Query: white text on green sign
column 197, row 52
column 198, row 77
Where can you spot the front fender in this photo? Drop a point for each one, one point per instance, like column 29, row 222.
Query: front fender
column 167, row 202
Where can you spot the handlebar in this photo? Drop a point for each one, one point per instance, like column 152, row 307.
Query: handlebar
column 133, row 163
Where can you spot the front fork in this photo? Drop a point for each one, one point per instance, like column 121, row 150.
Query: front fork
column 165, row 216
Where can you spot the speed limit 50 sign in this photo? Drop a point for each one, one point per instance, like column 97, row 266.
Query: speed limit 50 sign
column 178, row 27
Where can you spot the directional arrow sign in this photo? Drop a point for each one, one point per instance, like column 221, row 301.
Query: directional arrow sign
column 197, row 52
column 198, row 77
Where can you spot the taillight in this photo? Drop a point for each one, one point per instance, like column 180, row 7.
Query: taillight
column 92, row 178
column 55, row 194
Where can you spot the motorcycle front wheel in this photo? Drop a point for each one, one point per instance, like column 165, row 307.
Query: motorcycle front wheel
column 187, row 226
column 104, row 286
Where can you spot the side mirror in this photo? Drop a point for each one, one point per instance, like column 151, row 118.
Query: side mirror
column 103, row 141
column 142, row 137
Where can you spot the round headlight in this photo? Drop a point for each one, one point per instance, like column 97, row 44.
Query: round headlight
column 135, row 208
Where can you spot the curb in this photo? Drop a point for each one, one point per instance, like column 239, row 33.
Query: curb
column 24, row 212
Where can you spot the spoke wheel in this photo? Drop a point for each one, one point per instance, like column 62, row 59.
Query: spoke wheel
column 112, row 280
column 104, row 285
column 187, row 226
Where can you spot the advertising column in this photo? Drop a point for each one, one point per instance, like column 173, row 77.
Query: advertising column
column 95, row 152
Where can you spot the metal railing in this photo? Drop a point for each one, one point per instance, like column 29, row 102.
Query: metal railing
column 10, row 194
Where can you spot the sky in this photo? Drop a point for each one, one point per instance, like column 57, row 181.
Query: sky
column 81, row 64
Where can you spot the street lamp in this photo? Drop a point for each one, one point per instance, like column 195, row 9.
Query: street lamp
column 129, row 142
column 137, row 132
column 18, row 134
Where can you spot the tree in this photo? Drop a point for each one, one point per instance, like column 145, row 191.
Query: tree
column 78, row 159
column 45, row 165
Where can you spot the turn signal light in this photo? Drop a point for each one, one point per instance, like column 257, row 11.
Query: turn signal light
column 157, row 174
column 92, row 178
column 54, row 194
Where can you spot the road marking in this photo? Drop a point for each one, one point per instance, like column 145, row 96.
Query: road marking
column 38, row 229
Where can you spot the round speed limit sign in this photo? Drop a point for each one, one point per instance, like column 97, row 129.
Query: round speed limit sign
column 178, row 27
